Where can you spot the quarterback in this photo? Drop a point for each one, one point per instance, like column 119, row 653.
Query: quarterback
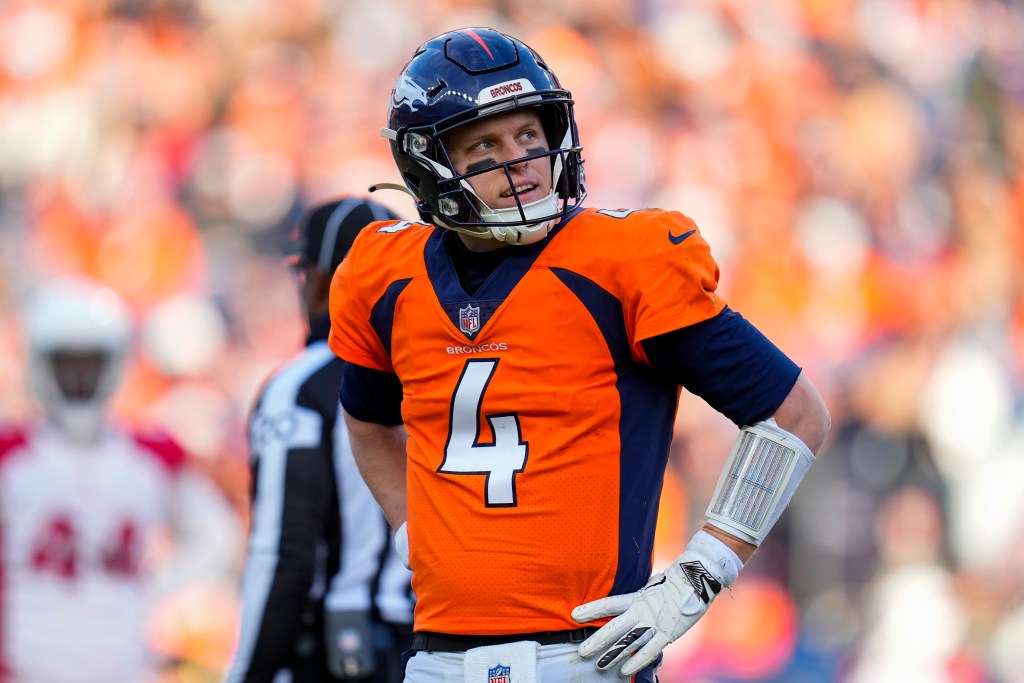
column 534, row 350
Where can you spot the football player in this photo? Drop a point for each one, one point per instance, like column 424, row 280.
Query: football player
column 84, row 503
column 534, row 351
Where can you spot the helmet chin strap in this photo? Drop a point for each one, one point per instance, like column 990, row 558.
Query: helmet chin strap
column 521, row 234
column 545, row 206
column 498, row 220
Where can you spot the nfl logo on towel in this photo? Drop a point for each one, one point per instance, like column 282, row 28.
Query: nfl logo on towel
column 499, row 674
column 469, row 319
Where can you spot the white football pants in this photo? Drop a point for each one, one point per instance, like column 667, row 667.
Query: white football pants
column 558, row 663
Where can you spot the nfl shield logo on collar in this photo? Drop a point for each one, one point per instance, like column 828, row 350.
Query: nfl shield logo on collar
column 469, row 319
column 499, row 674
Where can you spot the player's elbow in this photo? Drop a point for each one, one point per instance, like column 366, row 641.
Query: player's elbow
column 823, row 426
column 805, row 414
column 817, row 423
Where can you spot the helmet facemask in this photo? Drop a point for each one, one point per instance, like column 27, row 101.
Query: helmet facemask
column 79, row 373
column 74, row 386
column 460, row 208
column 78, row 337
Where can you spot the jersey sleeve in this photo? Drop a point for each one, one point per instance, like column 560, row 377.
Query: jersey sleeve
column 371, row 396
column 729, row 363
column 671, row 279
column 11, row 440
column 352, row 335
column 162, row 447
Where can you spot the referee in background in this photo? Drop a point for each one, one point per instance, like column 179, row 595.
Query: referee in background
column 324, row 596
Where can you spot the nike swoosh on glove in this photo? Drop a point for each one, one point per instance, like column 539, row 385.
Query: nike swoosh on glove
column 662, row 611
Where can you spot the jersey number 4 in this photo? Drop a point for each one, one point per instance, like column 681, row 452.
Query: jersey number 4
column 501, row 460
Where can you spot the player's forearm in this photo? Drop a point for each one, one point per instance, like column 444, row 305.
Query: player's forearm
column 803, row 414
column 379, row 452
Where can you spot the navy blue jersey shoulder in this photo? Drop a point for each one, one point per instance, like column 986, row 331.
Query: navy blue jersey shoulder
column 729, row 363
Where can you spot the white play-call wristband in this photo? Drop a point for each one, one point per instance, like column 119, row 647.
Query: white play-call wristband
column 760, row 476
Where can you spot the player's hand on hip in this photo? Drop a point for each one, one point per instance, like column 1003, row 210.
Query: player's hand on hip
column 662, row 611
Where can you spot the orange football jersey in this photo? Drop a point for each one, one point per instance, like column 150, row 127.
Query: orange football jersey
column 538, row 434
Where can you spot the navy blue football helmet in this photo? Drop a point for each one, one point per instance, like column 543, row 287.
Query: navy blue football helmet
column 466, row 76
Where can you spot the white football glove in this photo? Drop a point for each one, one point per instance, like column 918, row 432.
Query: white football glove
column 402, row 544
column 660, row 612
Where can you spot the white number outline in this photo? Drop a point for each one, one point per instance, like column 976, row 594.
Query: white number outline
column 464, row 454
column 617, row 213
column 397, row 227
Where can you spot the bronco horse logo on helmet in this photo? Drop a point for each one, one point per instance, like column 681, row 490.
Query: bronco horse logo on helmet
column 407, row 93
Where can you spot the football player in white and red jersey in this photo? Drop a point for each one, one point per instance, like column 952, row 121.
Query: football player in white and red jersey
column 82, row 503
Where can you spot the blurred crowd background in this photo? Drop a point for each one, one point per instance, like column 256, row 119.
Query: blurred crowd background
column 854, row 164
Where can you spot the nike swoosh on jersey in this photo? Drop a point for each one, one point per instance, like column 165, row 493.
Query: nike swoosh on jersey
column 678, row 239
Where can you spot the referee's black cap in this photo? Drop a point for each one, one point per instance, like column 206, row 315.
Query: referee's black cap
column 326, row 230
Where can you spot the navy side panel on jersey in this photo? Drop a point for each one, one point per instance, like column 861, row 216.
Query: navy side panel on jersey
column 648, row 407
column 382, row 317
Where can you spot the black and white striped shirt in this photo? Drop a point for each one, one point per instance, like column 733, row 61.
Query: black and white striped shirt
column 318, row 538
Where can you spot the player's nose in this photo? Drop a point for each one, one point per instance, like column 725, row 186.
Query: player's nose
column 515, row 151
column 509, row 147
